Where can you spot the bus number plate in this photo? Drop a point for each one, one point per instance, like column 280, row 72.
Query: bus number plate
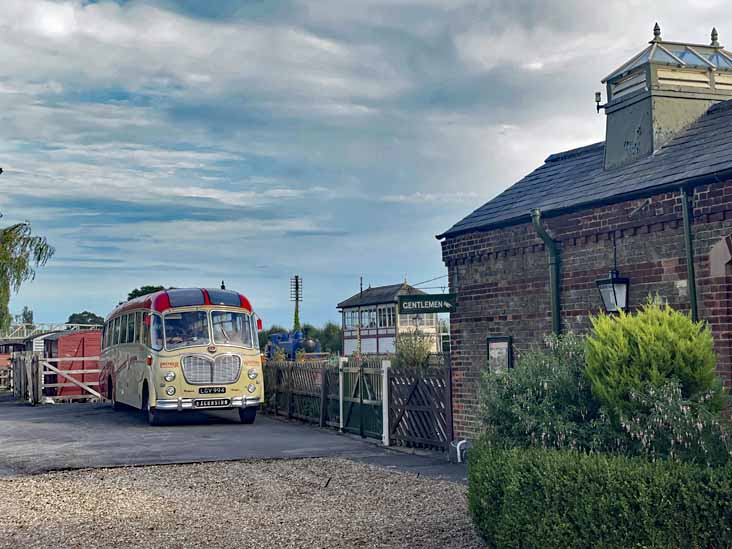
column 212, row 403
column 211, row 390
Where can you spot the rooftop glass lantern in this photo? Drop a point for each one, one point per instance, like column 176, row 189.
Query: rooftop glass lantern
column 614, row 288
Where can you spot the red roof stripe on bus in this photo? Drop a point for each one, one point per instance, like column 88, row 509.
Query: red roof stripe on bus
column 161, row 302
column 245, row 303
column 206, row 298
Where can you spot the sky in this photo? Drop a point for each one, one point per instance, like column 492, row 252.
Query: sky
column 187, row 142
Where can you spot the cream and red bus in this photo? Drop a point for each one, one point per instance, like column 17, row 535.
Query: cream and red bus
column 183, row 349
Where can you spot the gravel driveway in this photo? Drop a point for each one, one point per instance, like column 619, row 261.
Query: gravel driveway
column 279, row 503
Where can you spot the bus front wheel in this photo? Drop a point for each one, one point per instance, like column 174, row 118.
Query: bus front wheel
column 247, row 415
column 153, row 416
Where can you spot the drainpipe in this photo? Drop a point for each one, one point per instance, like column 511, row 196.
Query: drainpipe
column 551, row 247
column 688, row 240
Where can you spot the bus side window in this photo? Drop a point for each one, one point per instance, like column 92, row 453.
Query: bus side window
column 123, row 329
column 145, row 329
column 115, row 341
column 156, row 333
column 139, row 327
column 131, row 328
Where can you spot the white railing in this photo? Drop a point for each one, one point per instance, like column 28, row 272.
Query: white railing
column 21, row 332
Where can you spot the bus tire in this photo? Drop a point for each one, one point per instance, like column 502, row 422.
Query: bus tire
column 247, row 415
column 153, row 416
column 116, row 406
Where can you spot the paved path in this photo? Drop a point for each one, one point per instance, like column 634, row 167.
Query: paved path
column 70, row 436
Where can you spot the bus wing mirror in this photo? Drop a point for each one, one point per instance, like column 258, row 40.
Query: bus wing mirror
column 260, row 326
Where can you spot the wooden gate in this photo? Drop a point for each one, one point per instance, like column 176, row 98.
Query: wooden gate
column 420, row 405
column 37, row 379
column 363, row 396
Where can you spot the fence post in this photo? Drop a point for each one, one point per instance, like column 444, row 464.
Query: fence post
column 448, row 400
column 323, row 393
column 385, row 431
column 360, row 398
column 276, row 386
column 341, row 361
column 290, row 396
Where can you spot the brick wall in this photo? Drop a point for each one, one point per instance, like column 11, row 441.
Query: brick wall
column 502, row 278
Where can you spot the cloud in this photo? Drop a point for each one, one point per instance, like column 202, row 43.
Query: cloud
column 183, row 142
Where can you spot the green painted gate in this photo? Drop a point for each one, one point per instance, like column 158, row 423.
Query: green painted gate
column 363, row 396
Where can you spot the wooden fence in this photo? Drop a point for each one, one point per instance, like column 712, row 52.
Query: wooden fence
column 6, row 379
column 367, row 397
column 304, row 390
column 37, row 379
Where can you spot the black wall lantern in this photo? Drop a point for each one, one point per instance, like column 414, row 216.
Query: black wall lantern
column 614, row 292
column 614, row 288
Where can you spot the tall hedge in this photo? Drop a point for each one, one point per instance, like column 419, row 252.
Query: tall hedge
column 559, row 498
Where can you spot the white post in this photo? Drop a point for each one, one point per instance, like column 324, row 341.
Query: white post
column 385, row 365
column 341, row 362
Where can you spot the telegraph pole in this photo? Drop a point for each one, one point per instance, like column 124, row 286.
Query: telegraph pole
column 296, row 296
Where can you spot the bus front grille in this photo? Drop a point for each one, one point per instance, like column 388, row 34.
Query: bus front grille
column 226, row 369
column 203, row 370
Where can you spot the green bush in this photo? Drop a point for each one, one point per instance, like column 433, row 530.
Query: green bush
column 547, row 401
column 632, row 352
column 556, row 498
column 544, row 401
column 412, row 350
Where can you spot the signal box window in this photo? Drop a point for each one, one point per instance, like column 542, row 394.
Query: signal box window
column 231, row 328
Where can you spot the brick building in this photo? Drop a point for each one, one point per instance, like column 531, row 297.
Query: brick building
column 656, row 192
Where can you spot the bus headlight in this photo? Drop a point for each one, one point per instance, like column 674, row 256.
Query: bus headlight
column 252, row 388
column 170, row 376
column 170, row 391
column 252, row 373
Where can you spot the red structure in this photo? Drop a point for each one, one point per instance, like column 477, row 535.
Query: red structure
column 74, row 344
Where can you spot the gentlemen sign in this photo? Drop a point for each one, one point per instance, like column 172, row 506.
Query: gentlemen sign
column 425, row 303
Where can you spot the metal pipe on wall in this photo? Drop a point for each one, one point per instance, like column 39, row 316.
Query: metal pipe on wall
column 689, row 245
column 553, row 250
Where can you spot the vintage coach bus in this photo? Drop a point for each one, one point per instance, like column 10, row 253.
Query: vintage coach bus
column 183, row 349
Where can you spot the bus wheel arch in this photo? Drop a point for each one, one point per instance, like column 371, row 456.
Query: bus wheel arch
column 153, row 415
column 112, row 395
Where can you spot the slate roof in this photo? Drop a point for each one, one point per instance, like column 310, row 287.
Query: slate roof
column 379, row 295
column 574, row 179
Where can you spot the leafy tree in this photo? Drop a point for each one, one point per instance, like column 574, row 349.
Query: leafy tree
column 21, row 253
column 85, row 317
column 144, row 290
column 26, row 315
column 331, row 338
column 264, row 334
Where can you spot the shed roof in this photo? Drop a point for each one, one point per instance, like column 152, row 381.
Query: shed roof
column 576, row 178
column 379, row 295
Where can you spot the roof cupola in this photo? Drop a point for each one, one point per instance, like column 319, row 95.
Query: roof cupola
column 661, row 91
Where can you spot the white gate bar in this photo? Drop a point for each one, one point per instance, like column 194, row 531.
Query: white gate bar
column 385, row 365
column 341, row 362
column 72, row 380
